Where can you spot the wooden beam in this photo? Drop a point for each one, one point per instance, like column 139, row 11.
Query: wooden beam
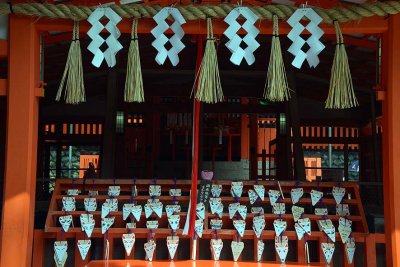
column 3, row 48
column 3, row 87
column 391, row 143
column 371, row 25
column 21, row 143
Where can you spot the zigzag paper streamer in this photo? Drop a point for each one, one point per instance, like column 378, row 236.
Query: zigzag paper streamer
column 97, row 41
column 238, row 53
column 161, row 39
column 298, row 42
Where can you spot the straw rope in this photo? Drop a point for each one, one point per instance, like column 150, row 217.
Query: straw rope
column 191, row 12
column 276, row 86
column 341, row 92
column 73, row 73
column 134, row 81
column 209, row 88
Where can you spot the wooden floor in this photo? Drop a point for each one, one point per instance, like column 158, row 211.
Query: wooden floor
column 199, row 263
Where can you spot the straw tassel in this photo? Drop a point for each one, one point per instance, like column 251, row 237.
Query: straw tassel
column 276, row 87
column 209, row 87
column 341, row 93
column 73, row 73
column 134, row 81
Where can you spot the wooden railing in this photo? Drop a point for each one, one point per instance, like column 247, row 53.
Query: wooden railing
column 53, row 229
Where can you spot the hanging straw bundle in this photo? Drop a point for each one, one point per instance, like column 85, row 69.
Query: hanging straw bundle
column 276, row 87
column 341, row 93
column 134, row 80
column 73, row 73
column 209, row 88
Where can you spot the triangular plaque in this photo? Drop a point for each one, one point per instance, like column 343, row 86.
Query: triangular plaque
column 328, row 228
column 258, row 225
column 344, row 229
column 296, row 194
column 260, row 190
column 273, row 196
column 282, row 247
column 84, row 246
column 279, row 208
column 350, row 249
column 149, row 248
column 321, row 211
column 297, row 212
column 328, row 249
column 136, row 212
column 90, row 204
column 172, row 245
column 257, row 210
column 216, row 190
column 240, row 226
column 236, row 189
column 152, row 224
column 242, row 210
column 155, row 190
column 87, row 223
column 68, row 203
column 237, row 248
column 315, row 196
column 175, row 192
column 114, row 190
column 60, row 251
column 279, row 226
column 216, row 224
column 73, row 192
column 252, row 196
column 338, row 193
column 232, row 208
column 198, row 227
column 129, row 241
column 171, row 209
column 106, row 224
column 173, row 221
column 216, row 248
column 260, row 249
column 65, row 222
column 342, row 210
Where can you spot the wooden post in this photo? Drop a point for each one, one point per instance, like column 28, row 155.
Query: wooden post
column 195, row 148
column 391, row 144
column 21, row 143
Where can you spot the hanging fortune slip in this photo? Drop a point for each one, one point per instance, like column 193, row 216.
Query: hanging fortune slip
column 149, row 248
column 128, row 240
column 87, row 223
column 84, row 246
column 302, row 226
column 216, row 248
column 296, row 194
column 315, row 196
column 237, row 248
column 328, row 228
column 108, row 206
column 238, row 53
column 315, row 45
column 162, row 39
column 113, row 45
column 60, row 253
column 350, row 249
column 172, row 245
column 153, row 205
column 65, row 222
column 338, row 193
column 173, row 221
column 328, row 249
column 135, row 210
column 297, row 212
column 260, row 249
column 282, row 247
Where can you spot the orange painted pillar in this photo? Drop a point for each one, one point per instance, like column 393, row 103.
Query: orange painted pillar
column 391, row 143
column 21, row 143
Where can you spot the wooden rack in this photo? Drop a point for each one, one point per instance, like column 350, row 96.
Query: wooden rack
column 53, row 228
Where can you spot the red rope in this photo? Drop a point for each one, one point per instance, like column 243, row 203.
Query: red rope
column 195, row 144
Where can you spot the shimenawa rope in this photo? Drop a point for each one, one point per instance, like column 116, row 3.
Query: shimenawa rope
column 195, row 12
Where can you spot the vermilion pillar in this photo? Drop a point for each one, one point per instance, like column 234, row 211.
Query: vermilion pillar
column 21, row 143
column 391, row 141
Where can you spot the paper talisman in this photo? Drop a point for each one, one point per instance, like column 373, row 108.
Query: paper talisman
column 129, row 241
column 237, row 248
